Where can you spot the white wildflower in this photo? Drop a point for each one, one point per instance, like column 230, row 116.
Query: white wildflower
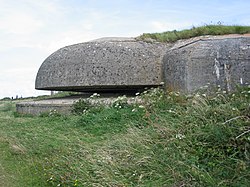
column 141, row 106
column 171, row 111
column 179, row 136
column 177, row 93
column 95, row 95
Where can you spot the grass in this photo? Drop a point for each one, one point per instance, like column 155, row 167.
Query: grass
column 56, row 95
column 172, row 36
column 42, row 97
column 168, row 140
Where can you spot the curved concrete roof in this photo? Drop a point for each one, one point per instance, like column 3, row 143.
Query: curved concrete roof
column 103, row 64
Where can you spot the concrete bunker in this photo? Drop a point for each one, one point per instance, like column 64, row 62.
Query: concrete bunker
column 109, row 64
column 124, row 64
column 213, row 61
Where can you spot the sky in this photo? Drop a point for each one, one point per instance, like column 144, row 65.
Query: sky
column 30, row 30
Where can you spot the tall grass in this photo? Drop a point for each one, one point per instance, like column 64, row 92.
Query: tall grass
column 172, row 36
column 166, row 140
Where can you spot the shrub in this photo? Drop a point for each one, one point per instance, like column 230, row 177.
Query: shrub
column 81, row 106
column 120, row 102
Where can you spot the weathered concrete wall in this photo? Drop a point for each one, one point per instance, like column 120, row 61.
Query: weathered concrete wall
column 214, row 61
column 37, row 108
column 104, row 64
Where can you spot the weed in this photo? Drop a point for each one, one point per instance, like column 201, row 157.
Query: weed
column 172, row 36
column 81, row 106
column 120, row 102
column 51, row 113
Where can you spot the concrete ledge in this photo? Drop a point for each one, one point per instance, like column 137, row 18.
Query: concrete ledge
column 44, row 106
column 63, row 105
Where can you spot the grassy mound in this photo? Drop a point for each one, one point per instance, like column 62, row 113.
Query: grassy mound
column 167, row 140
column 172, row 36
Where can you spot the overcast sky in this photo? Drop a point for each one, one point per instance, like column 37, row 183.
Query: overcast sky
column 30, row 30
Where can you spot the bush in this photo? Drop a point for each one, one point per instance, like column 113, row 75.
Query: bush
column 81, row 106
column 120, row 102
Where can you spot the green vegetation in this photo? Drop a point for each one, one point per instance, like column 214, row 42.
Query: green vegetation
column 172, row 36
column 56, row 95
column 166, row 140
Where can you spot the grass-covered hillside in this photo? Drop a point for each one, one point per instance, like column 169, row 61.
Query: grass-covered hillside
column 166, row 140
column 172, row 36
